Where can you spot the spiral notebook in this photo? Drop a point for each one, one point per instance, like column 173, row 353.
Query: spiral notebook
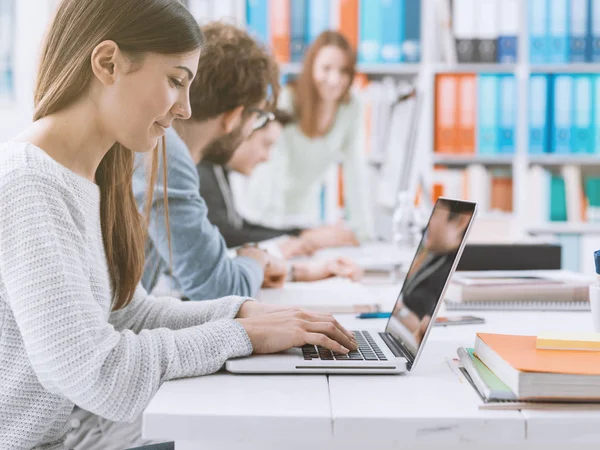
column 522, row 290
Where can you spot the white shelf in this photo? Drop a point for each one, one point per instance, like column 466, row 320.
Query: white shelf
column 464, row 160
column 565, row 228
column 565, row 68
column 475, row 68
column 371, row 69
column 559, row 160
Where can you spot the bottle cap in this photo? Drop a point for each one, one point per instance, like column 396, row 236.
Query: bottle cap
column 597, row 261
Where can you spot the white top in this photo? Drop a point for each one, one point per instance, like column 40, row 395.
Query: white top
column 289, row 184
column 60, row 345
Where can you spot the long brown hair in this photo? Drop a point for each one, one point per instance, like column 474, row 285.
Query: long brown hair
column 137, row 27
column 306, row 97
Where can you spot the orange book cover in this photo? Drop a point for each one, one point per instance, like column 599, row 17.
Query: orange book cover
column 502, row 194
column 521, row 353
column 349, row 21
column 446, row 138
column 466, row 106
column 279, row 21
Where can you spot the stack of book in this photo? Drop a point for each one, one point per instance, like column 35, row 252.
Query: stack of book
column 551, row 368
column 518, row 290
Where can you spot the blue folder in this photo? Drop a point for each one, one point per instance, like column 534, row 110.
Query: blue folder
column 558, row 28
column 539, row 107
column 562, row 113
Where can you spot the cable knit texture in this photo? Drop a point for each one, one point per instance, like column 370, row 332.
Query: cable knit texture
column 60, row 345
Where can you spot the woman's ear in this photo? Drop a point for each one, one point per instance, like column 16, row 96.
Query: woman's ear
column 104, row 61
column 232, row 119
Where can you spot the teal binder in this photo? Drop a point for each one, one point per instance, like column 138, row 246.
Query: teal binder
column 370, row 32
column 488, row 111
column 562, row 113
column 558, row 199
column 558, row 27
column 538, row 31
column 393, row 32
column 507, row 114
column 583, row 127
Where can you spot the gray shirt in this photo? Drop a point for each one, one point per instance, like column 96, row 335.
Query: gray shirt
column 200, row 265
column 60, row 343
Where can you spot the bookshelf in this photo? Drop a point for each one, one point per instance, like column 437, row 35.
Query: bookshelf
column 367, row 69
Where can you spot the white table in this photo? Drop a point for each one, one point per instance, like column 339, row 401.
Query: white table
column 431, row 405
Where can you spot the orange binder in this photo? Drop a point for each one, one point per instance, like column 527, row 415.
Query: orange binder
column 521, row 353
column 279, row 21
column 466, row 105
column 502, row 194
column 349, row 21
column 446, row 138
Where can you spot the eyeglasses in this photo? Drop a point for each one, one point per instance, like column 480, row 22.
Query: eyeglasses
column 264, row 117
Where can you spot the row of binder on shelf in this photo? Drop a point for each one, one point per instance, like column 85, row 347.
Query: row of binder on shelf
column 564, row 114
column 567, row 194
column 491, row 189
column 483, row 31
column 563, row 31
column 383, row 31
column 475, row 113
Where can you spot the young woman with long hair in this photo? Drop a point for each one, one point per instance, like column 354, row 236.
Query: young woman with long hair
column 75, row 327
column 329, row 129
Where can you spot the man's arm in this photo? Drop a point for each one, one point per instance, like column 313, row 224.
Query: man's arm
column 199, row 255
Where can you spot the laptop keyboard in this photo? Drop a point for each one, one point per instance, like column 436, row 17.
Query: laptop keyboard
column 367, row 351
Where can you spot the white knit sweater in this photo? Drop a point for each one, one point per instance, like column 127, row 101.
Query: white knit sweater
column 60, row 345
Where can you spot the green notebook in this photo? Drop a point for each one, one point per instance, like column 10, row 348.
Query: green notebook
column 489, row 386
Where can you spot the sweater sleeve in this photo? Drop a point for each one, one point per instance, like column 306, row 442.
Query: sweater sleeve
column 73, row 349
column 200, row 263
column 356, row 186
column 148, row 312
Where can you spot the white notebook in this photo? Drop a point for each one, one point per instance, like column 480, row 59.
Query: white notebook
column 519, row 290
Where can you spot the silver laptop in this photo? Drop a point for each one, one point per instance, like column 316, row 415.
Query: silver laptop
column 397, row 349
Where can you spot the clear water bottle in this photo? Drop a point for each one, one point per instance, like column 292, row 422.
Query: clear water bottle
column 406, row 229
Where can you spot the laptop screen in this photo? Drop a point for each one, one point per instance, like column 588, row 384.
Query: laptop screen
column 435, row 260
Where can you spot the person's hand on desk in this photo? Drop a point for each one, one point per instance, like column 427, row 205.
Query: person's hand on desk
column 278, row 331
column 295, row 246
column 275, row 273
column 275, row 269
column 320, row 270
column 338, row 235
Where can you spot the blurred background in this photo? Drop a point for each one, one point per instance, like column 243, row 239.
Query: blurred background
column 496, row 101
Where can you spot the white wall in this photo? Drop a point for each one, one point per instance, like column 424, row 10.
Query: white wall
column 31, row 21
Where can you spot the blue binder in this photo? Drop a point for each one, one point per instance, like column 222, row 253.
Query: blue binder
column 298, row 39
column 579, row 31
column 411, row 48
column 507, row 116
column 370, row 33
column 257, row 19
column 392, row 13
column 508, row 35
column 539, row 107
column 558, row 27
column 596, row 112
column 538, row 31
column 595, row 30
column 488, row 108
column 583, row 128
column 318, row 18
column 562, row 113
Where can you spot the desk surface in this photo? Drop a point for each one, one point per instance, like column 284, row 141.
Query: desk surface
column 432, row 404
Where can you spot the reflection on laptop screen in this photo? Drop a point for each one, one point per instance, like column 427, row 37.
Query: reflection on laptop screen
column 429, row 272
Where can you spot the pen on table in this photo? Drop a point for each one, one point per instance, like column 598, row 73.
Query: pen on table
column 374, row 315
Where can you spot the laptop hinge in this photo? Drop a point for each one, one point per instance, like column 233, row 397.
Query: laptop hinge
column 398, row 348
